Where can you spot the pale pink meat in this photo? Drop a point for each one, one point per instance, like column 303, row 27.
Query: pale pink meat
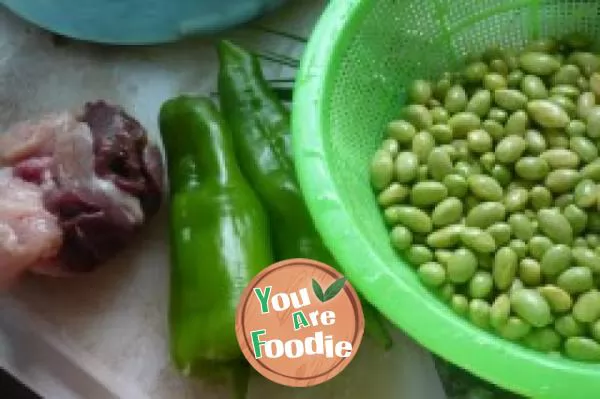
column 28, row 232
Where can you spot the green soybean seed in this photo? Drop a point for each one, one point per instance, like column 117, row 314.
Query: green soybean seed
column 543, row 340
column 439, row 115
column 595, row 330
column 477, row 240
column 456, row 99
column 442, row 133
column 499, row 66
column 532, row 168
column 587, row 307
column 427, row 193
column 457, row 185
column 475, row 71
column 406, row 167
column 565, row 103
column 580, row 242
column 463, row 122
column 446, row 237
column 560, row 181
column 505, row 267
column 567, row 326
column 461, row 266
column 418, row 115
column 547, row 114
column 501, row 233
column 530, row 272
column 510, row 149
column 538, row 63
column 420, row 91
column 416, row 255
column 481, row 285
column 441, row 88
column 494, row 81
column 583, row 84
column 586, row 194
column 519, row 246
column 560, row 158
column 514, row 329
column 582, row 349
column 500, row 311
column 411, row 217
column 510, row 99
column 595, row 83
column 395, row 193
column 422, row 173
column 401, row 238
column 432, row 274
column 531, row 306
column 559, row 300
column 487, row 161
column 538, row 245
column 502, row 174
column 460, row 304
column 576, row 280
column 521, row 226
column 576, row 128
column 391, row 146
column 576, row 217
column 381, row 169
column 517, row 123
column 443, row 256
column 556, row 139
column 479, row 141
column 516, row 199
column 485, row 187
column 479, row 313
column 485, row 214
column 447, row 291
column 514, row 78
column 569, row 91
column 480, row 103
column 591, row 171
column 540, row 197
column 422, row 145
column 587, row 62
column 494, row 128
column 593, row 240
column 498, row 115
column 585, row 103
column 593, row 122
column 584, row 147
column 447, row 212
column 534, row 87
column 586, row 257
column 536, row 143
column 567, row 75
column 555, row 260
column 402, row 131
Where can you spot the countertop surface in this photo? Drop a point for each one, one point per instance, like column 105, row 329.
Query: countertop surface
column 104, row 335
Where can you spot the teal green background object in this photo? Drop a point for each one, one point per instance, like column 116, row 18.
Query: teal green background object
column 351, row 83
column 136, row 22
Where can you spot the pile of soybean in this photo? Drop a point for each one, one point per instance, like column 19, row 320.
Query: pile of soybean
column 488, row 182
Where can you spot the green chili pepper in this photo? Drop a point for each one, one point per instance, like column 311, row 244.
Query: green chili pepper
column 219, row 236
column 260, row 126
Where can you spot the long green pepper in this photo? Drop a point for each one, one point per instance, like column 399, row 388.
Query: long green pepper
column 219, row 237
column 260, row 126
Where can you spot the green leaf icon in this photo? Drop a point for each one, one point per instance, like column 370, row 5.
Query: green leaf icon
column 318, row 290
column 334, row 289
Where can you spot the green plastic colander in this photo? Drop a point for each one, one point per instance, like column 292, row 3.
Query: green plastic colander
column 351, row 83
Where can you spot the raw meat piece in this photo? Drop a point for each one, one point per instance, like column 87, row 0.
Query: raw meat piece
column 96, row 177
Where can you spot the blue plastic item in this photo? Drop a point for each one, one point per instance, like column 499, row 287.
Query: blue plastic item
column 138, row 22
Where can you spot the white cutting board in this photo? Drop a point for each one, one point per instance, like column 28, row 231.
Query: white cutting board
column 104, row 335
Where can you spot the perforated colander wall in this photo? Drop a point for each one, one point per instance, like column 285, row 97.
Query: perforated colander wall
column 398, row 41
